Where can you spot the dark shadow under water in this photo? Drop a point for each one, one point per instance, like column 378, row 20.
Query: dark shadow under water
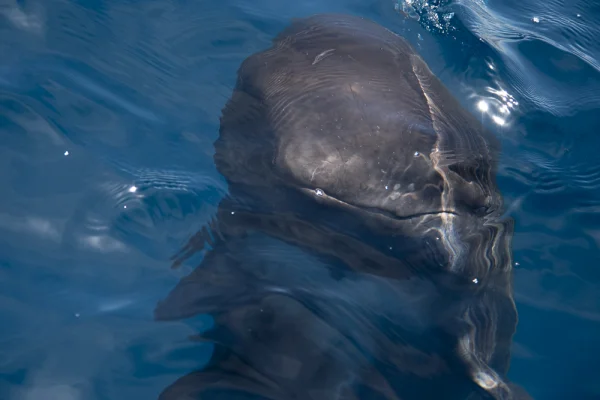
column 336, row 302
column 346, row 321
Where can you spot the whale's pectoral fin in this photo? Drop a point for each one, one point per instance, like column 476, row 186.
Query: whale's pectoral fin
column 194, row 245
column 220, row 229
column 219, row 284
column 226, row 376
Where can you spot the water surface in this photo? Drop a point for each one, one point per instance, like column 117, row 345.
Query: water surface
column 108, row 111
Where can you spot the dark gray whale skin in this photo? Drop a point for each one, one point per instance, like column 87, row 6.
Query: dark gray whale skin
column 339, row 140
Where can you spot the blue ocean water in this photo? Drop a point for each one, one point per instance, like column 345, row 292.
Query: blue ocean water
column 108, row 112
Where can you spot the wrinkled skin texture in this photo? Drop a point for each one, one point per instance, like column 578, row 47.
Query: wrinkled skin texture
column 340, row 142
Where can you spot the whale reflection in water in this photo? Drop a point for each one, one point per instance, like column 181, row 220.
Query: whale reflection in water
column 360, row 252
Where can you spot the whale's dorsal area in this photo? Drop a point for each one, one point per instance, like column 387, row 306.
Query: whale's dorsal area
column 340, row 141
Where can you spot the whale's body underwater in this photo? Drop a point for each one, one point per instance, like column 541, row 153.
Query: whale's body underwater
column 340, row 141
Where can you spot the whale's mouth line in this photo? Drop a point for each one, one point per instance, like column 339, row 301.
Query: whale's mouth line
column 377, row 211
column 390, row 215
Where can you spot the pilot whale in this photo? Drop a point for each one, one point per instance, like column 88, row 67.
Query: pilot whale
column 339, row 140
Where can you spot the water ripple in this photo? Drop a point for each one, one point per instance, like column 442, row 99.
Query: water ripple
column 530, row 50
column 109, row 110
column 536, row 45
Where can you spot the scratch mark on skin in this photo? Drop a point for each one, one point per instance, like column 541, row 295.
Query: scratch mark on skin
column 323, row 55
column 322, row 166
column 312, row 177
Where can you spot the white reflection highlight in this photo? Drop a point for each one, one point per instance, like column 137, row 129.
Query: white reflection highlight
column 20, row 19
column 115, row 305
column 42, row 227
column 498, row 104
column 483, row 106
column 102, row 243
column 498, row 120
column 133, row 189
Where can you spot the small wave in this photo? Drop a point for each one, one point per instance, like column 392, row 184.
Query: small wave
column 539, row 289
column 543, row 174
column 536, row 45
column 535, row 55
column 164, row 206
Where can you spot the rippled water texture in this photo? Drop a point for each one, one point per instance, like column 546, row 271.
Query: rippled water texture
column 108, row 112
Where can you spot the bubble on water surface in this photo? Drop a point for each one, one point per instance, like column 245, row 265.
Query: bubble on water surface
column 431, row 13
